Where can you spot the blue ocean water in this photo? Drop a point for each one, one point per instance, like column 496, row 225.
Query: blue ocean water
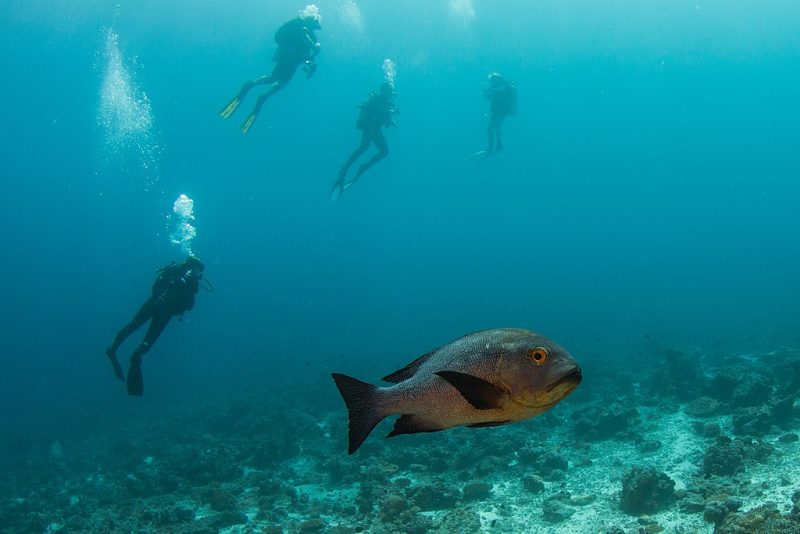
column 648, row 191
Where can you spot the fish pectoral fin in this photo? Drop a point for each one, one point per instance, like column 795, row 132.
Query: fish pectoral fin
column 489, row 423
column 412, row 424
column 481, row 394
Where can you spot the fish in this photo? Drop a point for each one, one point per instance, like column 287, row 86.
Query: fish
column 487, row 378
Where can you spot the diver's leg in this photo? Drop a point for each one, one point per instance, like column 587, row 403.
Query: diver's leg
column 231, row 106
column 228, row 110
column 341, row 179
column 135, row 382
column 268, row 79
column 277, row 86
column 141, row 317
column 490, row 132
column 280, row 77
column 383, row 151
column 366, row 140
column 499, row 133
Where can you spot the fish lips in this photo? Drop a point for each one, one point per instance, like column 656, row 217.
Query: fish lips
column 554, row 393
column 569, row 381
column 562, row 387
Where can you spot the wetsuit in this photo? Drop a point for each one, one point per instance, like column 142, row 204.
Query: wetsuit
column 172, row 294
column 297, row 44
column 502, row 101
column 376, row 112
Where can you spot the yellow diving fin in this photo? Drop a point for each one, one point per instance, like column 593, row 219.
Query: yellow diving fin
column 228, row 110
column 248, row 123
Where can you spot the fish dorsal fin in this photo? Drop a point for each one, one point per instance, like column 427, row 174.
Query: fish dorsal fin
column 481, row 394
column 409, row 370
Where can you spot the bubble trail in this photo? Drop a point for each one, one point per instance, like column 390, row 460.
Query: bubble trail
column 184, row 232
column 389, row 72
column 125, row 117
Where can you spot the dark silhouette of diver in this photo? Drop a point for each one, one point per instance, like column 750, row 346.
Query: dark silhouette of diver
column 502, row 95
column 297, row 45
column 173, row 294
column 376, row 112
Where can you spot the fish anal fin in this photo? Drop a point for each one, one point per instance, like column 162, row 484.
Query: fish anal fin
column 488, row 423
column 482, row 395
column 409, row 370
column 411, row 424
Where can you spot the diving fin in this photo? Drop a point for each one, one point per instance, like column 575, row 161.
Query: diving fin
column 115, row 364
column 249, row 122
column 135, row 383
column 228, row 110
column 336, row 191
column 479, row 156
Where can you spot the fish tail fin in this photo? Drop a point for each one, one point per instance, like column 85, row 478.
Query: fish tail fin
column 363, row 408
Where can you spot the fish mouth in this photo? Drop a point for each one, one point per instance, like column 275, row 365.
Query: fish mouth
column 566, row 384
column 556, row 392
column 572, row 378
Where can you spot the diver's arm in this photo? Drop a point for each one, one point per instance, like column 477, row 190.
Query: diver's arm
column 194, row 287
column 166, row 277
column 313, row 44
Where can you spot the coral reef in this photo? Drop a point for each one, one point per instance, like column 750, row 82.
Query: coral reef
column 436, row 496
column 764, row 519
column 752, row 421
column 702, row 407
column 679, row 376
column 533, row 483
column 605, row 420
column 557, row 508
column 646, row 490
column 752, row 390
column 724, row 457
column 698, row 461
column 477, row 491
column 716, row 511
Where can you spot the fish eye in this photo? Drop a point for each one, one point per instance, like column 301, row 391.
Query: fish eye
column 538, row 355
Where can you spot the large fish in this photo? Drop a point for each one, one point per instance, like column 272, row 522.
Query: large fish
column 486, row 378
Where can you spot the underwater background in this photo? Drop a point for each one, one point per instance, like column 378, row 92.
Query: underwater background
column 644, row 212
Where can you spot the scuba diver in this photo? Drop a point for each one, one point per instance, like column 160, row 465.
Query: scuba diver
column 297, row 45
column 376, row 112
column 502, row 96
column 173, row 294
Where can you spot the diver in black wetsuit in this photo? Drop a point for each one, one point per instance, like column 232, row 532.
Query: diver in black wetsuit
column 297, row 45
column 502, row 95
column 376, row 113
column 173, row 294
